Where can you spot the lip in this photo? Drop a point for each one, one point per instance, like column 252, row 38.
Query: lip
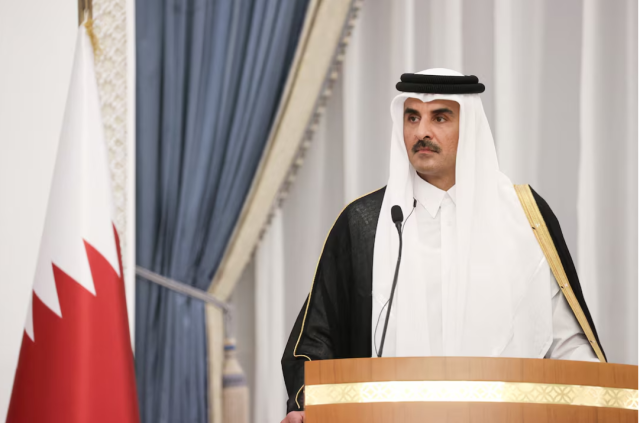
column 426, row 151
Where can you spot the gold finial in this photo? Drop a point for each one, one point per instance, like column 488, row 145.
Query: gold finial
column 85, row 7
column 85, row 17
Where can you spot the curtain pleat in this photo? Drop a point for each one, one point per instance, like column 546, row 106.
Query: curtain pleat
column 608, row 174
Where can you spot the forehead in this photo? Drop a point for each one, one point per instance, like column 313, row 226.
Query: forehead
column 426, row 107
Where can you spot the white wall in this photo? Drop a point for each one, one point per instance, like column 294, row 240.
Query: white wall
column 37, row 40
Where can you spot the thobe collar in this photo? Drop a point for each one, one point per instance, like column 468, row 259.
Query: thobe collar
column 430, row 196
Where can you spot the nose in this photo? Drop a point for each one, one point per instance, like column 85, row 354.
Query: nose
column 425, row 129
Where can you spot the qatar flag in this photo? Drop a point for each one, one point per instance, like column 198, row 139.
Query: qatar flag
column 76, row 361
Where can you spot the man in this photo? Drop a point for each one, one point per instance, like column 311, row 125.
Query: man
column 473, row 280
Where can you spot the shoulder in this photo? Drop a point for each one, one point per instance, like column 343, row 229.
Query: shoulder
column 361, row 213
column 553, row 225
column 545, row 209
column 365, row 209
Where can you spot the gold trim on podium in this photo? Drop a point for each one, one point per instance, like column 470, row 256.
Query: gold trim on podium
column 471, row 391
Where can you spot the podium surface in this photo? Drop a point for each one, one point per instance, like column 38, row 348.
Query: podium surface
column 461, row 389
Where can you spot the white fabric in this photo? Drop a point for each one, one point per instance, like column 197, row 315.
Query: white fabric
column 569, row 341
column 497, row 261
column 270, row 394
column 435, row 214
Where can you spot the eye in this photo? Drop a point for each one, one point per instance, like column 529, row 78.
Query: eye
column 440, row 119
column 413, row 119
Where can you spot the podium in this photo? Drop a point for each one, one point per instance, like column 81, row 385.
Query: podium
column 462, row 389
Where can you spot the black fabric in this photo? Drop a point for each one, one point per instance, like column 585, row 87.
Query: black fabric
column 418, row 78
column 565, row 257
column 338, row 320
column 408, row 87
column 439, row 84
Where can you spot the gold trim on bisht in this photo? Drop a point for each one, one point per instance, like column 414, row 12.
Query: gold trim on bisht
column 543, row 236
column 471, row 391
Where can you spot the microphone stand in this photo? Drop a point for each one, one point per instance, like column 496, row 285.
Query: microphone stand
column 393, row 287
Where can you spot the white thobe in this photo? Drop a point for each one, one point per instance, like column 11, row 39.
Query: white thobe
column 436, row 217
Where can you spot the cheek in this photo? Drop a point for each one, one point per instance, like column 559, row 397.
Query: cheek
column 450, row 140
column 454, row 140
column 408, row 136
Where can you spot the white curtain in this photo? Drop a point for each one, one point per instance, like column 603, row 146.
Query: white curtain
column 561, row 99
column 270, row 335
column 608, row 173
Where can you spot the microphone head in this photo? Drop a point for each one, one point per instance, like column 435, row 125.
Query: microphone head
column 396, row 214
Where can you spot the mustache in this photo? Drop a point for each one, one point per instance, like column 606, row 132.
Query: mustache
column 426, row 143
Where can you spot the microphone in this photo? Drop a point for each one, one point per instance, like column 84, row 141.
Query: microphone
column 397, row 217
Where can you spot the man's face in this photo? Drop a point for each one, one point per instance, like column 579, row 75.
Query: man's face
column 431, row 136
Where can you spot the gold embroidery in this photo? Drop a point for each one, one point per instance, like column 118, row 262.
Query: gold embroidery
column 543, row 236
column 298, row 393
column 471, row 391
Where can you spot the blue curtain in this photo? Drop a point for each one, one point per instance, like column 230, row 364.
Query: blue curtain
column 210, row 74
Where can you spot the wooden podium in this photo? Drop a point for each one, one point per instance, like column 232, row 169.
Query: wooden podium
column 460, row 389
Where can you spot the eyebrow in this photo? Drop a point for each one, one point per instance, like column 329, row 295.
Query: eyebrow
column 442, row 110
column 409, row 111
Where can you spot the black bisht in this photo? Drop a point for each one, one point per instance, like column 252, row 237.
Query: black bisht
column 337, row 320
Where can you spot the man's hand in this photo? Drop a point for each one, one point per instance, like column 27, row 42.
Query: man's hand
column 294, row 417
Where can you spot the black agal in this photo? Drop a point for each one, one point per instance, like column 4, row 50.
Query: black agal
column 439, row 84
